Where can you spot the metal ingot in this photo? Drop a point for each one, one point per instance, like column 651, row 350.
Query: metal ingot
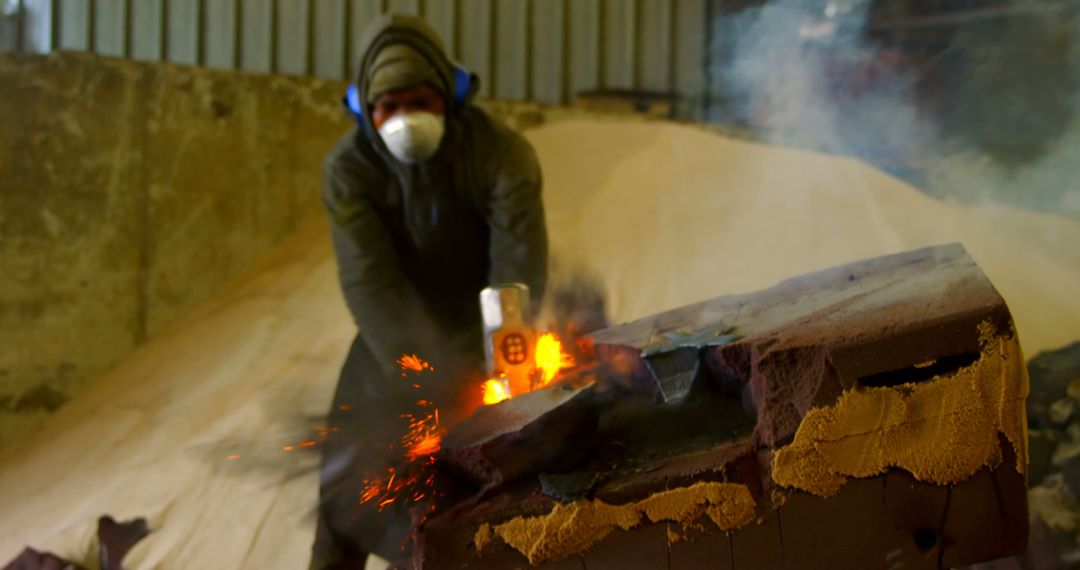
column 509, row 338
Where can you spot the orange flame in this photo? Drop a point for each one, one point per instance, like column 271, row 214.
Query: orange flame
column 550, row 358
column 495, row 391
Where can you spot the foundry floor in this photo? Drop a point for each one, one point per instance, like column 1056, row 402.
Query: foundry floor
column 189, row 432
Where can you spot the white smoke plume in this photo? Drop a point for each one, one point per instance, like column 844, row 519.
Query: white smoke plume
column 992, row 114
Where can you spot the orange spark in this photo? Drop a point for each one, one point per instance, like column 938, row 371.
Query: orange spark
column 550, row 358
column 232, row 456
column 424, row 437
column 413, row 363
column 422, row 441
column 370, row 491
column 426, row 446
column 495, row 391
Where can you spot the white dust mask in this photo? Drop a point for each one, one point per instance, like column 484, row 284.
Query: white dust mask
column 413, row 137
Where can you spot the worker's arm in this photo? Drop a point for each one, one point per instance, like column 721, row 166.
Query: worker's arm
column 519, row 246
column 387, row 309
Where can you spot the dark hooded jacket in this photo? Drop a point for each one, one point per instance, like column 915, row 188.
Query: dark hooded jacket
column 416, row 244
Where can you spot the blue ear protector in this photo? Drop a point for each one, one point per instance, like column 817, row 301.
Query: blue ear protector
column 462, row 83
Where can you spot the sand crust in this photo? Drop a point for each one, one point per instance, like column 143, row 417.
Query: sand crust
column 571, row 528
column 941, row 431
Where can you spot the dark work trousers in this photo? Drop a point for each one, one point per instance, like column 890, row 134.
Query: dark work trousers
column 364, row 418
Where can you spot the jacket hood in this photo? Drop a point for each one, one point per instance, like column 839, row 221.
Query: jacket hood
column 414, row 32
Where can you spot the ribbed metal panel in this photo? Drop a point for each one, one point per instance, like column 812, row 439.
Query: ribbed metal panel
column 511, row 56
column 620, row 46
column 360, row 14
column 74, row 25
column 293, row 38
column 182, row 30
column 654, row 37
column 36, row 29
column 148, row 30
column 220, row 33
column 110, row 27
column 584, row 45
column 257, row 35
column 547, row 65
column 475, row 32
column 543, row 50
column 688, row 56
column 330, row 41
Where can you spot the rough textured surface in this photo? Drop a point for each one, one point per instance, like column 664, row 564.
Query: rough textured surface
column 188, row 432
column 941, row 431
column 131, row 192
column 153, row 437
column 669, row 215
column 574, row 527
column 882, row 322
column 553, row 425
column 903, row 368
column 890, row 520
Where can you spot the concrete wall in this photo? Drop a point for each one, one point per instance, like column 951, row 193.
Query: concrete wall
column 129, row 192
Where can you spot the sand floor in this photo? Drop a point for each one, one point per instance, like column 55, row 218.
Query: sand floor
column 189, row 431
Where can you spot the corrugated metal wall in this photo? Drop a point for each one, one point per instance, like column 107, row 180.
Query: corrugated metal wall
column 543, row 50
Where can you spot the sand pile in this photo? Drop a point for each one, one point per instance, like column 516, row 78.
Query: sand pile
column 667, row 215
column 189, row 431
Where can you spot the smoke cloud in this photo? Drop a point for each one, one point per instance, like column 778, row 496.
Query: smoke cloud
column 970, row 107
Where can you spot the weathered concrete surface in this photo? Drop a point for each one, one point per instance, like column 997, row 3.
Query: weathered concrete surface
column 129, row 192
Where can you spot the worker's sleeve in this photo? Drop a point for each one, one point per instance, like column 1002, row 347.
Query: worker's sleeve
column 519, row 245
column 391, row 317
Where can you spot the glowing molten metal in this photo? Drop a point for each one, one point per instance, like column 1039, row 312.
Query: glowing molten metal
column 550, row 358
column 495, row 391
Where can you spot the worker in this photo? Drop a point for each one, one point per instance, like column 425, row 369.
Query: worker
column 429, row 200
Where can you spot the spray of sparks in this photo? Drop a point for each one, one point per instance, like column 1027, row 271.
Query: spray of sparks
column 413, row 480
column 410, row 363
column 550, row 358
